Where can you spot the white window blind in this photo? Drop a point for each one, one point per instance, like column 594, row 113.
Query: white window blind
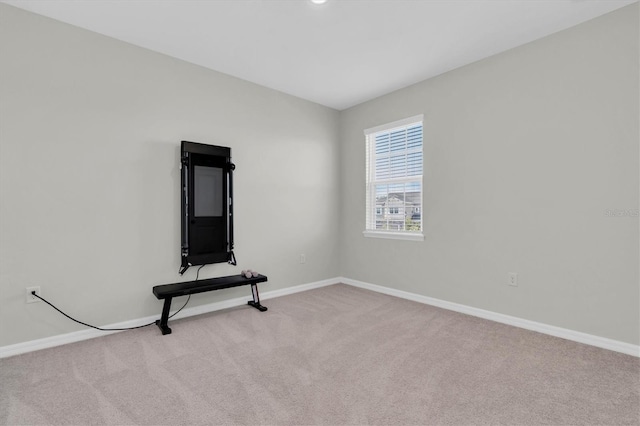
column 394, row 179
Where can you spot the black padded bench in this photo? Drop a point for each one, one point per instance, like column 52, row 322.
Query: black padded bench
column 169, row 291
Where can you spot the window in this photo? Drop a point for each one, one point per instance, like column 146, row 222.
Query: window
column 394, row 180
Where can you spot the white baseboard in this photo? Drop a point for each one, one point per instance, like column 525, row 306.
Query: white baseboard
column 297, row 289
column 576, row 336
column 63, row 339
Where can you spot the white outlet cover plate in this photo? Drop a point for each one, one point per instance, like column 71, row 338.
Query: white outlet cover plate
column 29, row 297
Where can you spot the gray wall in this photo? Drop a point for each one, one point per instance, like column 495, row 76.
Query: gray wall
column 89, row 177
column 523, row 152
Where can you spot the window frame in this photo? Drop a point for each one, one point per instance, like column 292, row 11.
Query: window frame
column 371, row 182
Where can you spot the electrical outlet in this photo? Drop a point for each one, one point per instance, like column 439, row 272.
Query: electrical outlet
column 303, row 258
column 30, row 297
column 513, row 279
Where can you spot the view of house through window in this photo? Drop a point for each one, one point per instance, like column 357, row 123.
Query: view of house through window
column 394, row 177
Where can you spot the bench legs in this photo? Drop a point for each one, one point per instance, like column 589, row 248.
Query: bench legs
column 164, row 319
column 162, row 323
column 256, row 299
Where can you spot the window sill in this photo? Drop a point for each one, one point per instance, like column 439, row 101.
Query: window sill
column 394, row 235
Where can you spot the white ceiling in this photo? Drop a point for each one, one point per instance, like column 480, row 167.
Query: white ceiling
column 338, row 54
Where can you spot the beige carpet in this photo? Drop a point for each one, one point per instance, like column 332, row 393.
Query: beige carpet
column 335, row 355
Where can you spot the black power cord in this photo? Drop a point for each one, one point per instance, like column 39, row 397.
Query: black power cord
column 104, row 329
column 33, row 293
column 198, row 271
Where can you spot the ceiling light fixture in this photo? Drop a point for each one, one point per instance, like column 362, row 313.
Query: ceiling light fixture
column 318, row 1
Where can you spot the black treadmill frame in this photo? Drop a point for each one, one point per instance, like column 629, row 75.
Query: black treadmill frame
column 189, row 151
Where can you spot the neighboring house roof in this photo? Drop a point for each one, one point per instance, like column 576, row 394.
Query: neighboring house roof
column 409, row 198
